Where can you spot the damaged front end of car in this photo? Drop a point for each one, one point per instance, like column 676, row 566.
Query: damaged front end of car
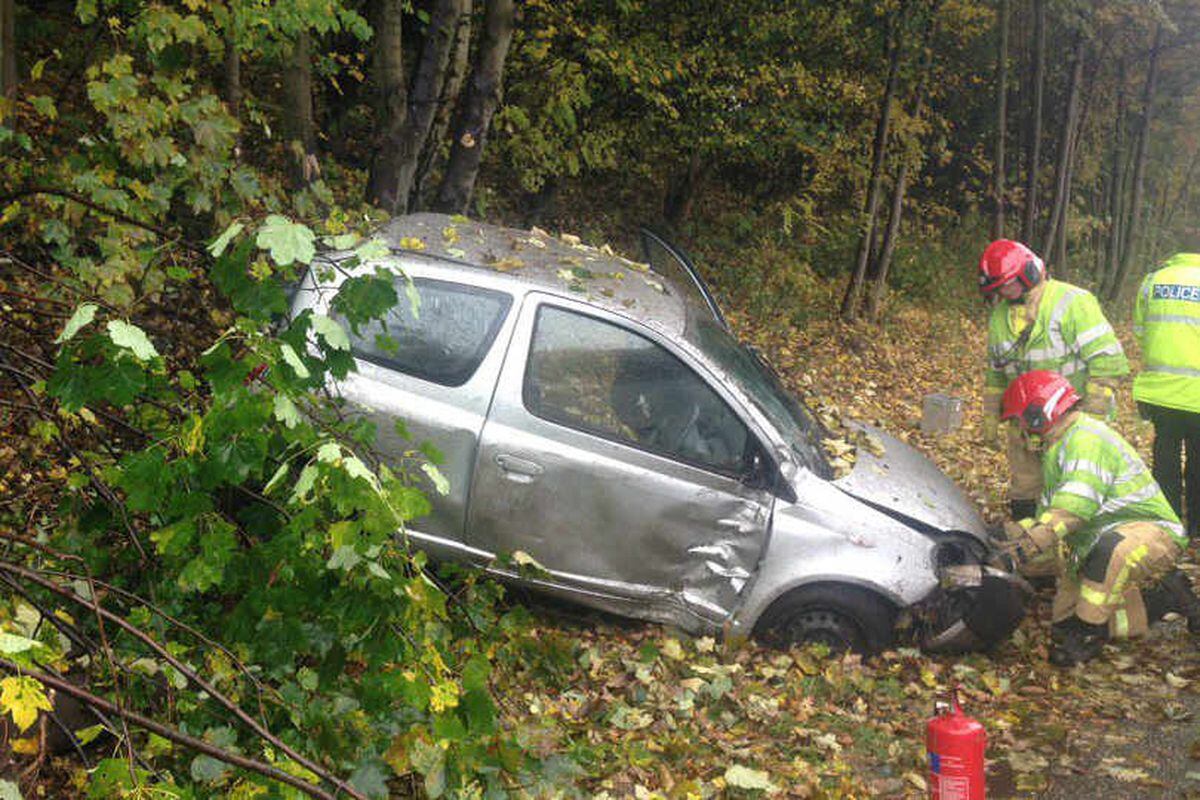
column 976, row 606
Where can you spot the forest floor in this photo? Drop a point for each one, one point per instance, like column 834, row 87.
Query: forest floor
column 648, row 712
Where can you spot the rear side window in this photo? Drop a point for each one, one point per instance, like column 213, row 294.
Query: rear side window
column 595, row 376
column 446, row 338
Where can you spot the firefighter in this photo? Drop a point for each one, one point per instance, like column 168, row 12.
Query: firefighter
column 1101, row 522
column 1040, row 323
column 1166, row 321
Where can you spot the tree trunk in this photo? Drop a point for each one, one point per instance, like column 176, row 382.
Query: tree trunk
column 8, row 48
column 392, row 98
column 1134, row 215
column 1035, row 125
column 393, row 173
column 681, row 192
column 480, row 102
column 1001, row 123
column 1065, row 147
column 300, row 127
column 456, row 74
column 1116, row 208
column 851, row 299
column 888, row 247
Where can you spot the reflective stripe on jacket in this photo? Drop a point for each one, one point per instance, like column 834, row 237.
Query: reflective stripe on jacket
column 1166, row 320
column 1096, row 475
column 1070, row 336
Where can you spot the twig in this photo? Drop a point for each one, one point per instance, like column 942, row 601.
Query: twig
column 117, row 215
column 169, row 733
column 190, row 674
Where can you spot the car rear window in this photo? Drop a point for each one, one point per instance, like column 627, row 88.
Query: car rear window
column 443, row 340
column 603, row 379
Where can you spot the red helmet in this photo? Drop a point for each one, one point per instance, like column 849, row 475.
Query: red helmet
column 1038, row 399
column 1005, row 260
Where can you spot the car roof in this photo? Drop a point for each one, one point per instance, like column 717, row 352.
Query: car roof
column 561, row 266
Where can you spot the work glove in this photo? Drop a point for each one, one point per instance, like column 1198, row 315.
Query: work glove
column 1100, row 398
column 1026, row 542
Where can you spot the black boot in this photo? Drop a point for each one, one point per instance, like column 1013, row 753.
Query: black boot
column 1022, row 509
column 1173, row 593
column 1075, row 642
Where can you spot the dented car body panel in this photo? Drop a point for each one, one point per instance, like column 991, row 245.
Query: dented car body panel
column 608, row 429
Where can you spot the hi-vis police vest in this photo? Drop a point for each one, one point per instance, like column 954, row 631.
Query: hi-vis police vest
column 1069, row 335
column 1166, row 320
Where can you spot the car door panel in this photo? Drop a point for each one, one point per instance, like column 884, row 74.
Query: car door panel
column 605, row 516
column 444, row 409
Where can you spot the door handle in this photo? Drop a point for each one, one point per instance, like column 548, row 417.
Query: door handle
column 518, row 469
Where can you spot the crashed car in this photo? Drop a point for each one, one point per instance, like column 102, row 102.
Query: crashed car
column 597, row 417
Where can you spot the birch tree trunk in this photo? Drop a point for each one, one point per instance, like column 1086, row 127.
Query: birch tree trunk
column 1001, row 122
column 479, row 103
column 852, row 297
column 1134, row 215
column 1035, row 125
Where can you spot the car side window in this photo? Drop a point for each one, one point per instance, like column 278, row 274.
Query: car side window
column 443, row 340
column 598, row 377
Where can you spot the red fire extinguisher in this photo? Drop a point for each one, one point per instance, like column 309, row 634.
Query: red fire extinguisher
column 955, row 743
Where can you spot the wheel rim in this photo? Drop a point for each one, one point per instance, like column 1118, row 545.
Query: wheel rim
column 823, row 626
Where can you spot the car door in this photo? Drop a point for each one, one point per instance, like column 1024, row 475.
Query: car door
column 426, row 375
column 671, row 262
column 619, row 468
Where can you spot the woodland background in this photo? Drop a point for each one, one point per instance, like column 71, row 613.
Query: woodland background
column 212, row 562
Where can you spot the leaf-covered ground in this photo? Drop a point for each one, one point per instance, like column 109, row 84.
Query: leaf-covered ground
column 649, row 712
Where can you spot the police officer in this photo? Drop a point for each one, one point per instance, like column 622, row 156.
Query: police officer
column 1040, row 323
column 1166, row 321
column 1101, row 522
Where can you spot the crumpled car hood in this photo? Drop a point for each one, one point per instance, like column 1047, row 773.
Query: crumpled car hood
column 904, row 481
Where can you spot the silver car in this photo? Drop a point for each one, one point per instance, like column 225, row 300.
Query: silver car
column 597, row 419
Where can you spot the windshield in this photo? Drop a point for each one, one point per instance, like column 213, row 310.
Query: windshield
column 760, row 383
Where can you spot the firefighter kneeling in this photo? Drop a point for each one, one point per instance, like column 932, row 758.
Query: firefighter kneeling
column 1102, row 523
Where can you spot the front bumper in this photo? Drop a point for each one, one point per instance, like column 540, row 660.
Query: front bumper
column 974, row 607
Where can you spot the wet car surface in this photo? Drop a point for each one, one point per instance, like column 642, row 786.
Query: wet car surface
column 595, row 415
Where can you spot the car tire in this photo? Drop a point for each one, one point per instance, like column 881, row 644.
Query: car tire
column 841, row 616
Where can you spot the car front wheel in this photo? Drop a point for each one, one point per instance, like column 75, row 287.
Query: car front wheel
column 840, row 616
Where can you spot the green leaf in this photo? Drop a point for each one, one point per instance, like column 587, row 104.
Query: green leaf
column 373, row 249
column 132, row 338
column 345, row 557
column 287, row 241
column 365, row 297
column 304, row 484
column 276, row 479
column 11, row 643
column 208, row 569
column 44, row 105
column 221, row 242
column 286, row 411
column 440, row 484
column 293, row 360
column 329, row 330
column 82, row 316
